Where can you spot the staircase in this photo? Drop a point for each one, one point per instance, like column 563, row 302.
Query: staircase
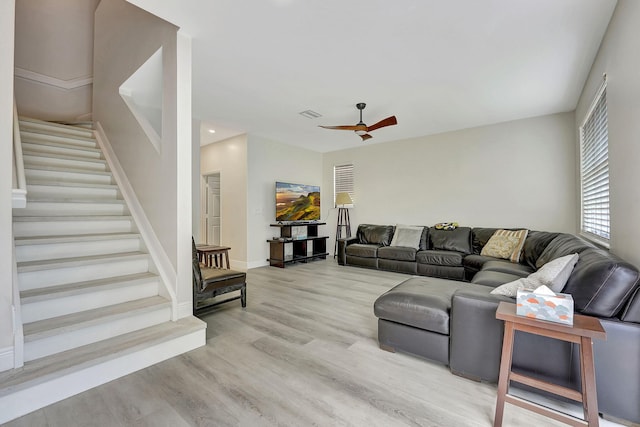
column 90, row 302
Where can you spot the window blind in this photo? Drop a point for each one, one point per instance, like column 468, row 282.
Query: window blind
column 343, row 181
column 594, row 170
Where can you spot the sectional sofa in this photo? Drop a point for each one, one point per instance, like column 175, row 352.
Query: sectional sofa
column 446, row 311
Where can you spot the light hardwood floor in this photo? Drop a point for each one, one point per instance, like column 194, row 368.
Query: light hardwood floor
column 303, row 353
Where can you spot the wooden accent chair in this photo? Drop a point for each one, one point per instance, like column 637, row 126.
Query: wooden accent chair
column 211, row 282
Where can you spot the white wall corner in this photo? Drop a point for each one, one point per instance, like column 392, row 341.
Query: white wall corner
column 184, row 159
column 6, row 359
column 161, row 261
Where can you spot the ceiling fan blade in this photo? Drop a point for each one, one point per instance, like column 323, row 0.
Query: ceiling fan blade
column 389, row 121
column 365, row 136
column 347, row 127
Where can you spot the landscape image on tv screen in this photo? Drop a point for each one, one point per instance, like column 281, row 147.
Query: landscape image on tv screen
column 296, row 202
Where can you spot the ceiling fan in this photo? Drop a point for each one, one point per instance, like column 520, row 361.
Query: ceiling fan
column 361, row 128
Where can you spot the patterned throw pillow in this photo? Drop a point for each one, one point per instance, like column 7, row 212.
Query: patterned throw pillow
column 505, row 244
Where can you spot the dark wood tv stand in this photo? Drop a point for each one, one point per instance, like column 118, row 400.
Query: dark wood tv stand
column 300, row 244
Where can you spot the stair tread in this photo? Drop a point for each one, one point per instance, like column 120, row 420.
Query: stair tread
column 47, row 264
column 37, row 145
column 37, row 218
column 106, row 201
column 30, row 120
column 29, row 153
column 82, row 319
column 71, row 238
column 74, row 184
column 67, row 169
column 77, row 288
column 78, row 359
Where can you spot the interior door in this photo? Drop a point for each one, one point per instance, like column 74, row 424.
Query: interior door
column 213, row 209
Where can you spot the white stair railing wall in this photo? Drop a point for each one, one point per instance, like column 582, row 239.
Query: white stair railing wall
column 19, row 200
column 19, row 192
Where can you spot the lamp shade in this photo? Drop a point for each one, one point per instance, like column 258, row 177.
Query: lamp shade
column 343, row 199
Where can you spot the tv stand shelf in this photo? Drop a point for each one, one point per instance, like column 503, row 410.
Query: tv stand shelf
column 304, row 248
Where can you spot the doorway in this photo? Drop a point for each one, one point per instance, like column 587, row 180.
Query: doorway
column 211, row 209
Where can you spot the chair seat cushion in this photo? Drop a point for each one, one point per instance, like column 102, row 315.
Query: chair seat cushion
column 421, row 302
column 216, row 278
column 435, row 257
column 363, row 250
column 398, row 253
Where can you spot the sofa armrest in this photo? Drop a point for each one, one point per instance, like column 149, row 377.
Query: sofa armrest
column 476, row 334
column 342, row 249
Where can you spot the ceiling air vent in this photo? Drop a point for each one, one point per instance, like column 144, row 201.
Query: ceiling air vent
column 310, row 114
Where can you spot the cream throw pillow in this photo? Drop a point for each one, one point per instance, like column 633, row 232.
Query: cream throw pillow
column 553, row 274
column 505, row 244
column 408, row 236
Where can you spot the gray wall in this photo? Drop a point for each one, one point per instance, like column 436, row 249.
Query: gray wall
column 513, row 174
column 619, row 58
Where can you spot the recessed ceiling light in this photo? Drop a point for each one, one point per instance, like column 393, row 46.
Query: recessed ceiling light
column 212, row 131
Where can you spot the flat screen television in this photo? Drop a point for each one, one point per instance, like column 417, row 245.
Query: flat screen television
column 297, row 202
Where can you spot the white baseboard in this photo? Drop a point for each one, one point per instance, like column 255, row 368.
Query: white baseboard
column 185, row 309
column 256, row 264
column 6, row 359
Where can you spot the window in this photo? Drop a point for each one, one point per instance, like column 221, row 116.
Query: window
column 594, row 171
column 343, row 181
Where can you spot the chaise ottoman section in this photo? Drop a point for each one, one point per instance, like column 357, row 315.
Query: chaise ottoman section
column 413, row 317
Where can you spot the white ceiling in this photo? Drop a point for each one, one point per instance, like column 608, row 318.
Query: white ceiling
column 437, row 65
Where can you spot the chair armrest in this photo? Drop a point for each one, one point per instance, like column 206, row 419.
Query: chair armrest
column 342, row 249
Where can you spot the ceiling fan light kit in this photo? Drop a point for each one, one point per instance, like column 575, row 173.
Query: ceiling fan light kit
column 361, row 129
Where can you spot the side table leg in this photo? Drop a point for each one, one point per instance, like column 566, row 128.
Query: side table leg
column 589, row 394
column 505, row 369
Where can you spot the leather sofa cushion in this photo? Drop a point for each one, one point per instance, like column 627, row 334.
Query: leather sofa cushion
column 601, row 284
column 563, row 244
column 480, row 237
column 458, row 240
column 436, row 257
column 380, row 235
column 475, row 262
column 399, row 253
column 632, row 312
column 534, row 245
column 493, row 278
column 508, row 267
column 362, row 250
column 421, row 302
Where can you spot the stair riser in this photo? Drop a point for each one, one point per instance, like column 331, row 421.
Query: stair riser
column 55, row 228
column 76, row 338
column 76, row 249
column 50, row 149
column 60, row 276
column 61, row 177
column 25, row 135
column 69, row 192
column 31, row 160
column 40, row 310
column 70, row 209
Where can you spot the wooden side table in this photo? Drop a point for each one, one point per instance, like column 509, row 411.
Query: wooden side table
column 582, row 332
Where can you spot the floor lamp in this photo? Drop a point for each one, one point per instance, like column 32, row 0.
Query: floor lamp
column 342, row 199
